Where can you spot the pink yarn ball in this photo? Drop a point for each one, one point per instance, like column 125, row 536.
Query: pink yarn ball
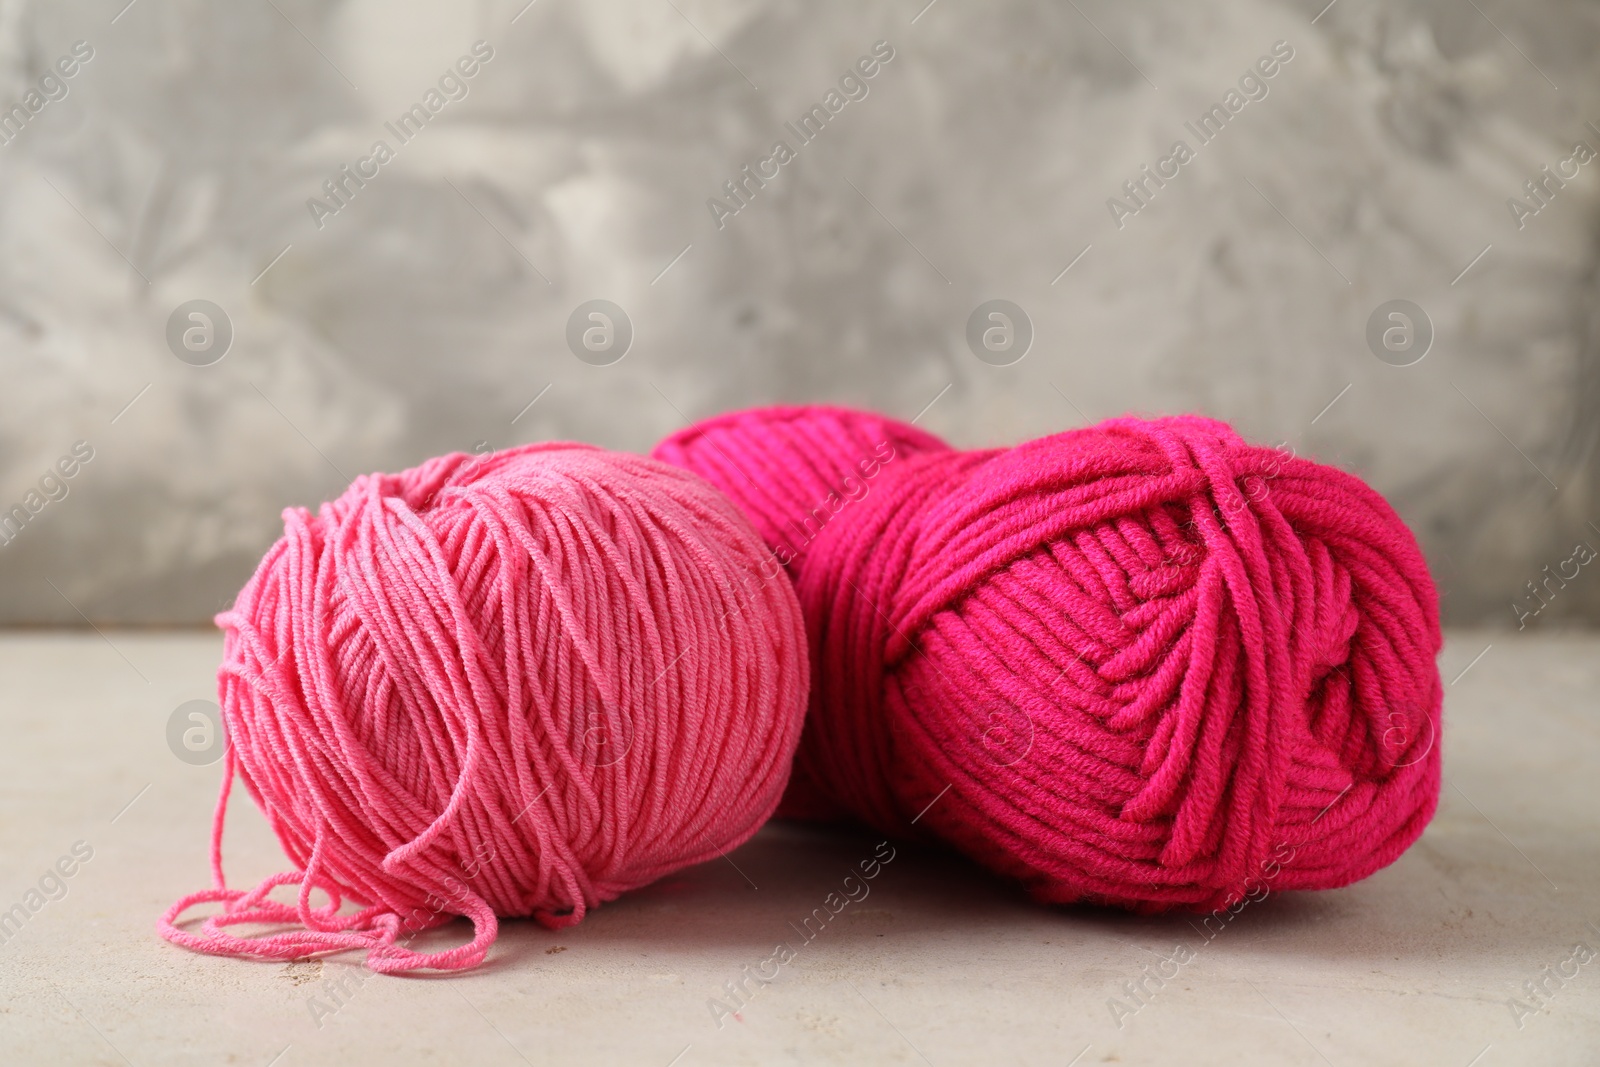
column 504, row 685
column 1144, row 664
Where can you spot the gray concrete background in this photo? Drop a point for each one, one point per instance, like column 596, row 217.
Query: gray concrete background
column 427, row 313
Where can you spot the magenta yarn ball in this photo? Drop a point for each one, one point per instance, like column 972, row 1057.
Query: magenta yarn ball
column 1145, row 663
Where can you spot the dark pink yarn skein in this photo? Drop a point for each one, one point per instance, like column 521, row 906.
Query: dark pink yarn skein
column 1144, row 664
column 504, row 685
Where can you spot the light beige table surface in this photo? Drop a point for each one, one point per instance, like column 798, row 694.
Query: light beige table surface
column 939, row 964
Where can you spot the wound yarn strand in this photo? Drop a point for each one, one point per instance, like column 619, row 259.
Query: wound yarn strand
column 1130, row 662
column 518, row 684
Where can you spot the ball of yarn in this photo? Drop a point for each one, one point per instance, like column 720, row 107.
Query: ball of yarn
column 1144, row 664
column 514, row 684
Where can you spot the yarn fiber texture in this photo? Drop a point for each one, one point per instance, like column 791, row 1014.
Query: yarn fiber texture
column 1141, row 664
column 514, row 684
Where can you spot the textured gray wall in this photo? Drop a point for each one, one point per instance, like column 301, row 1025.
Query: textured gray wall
column 429, row 310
